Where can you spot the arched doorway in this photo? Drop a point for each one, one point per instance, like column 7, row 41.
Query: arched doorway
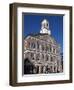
column 28, row 66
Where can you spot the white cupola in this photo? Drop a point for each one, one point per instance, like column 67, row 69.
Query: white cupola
column 45, row 27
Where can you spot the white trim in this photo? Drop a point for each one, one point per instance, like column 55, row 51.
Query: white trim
column 44, row 77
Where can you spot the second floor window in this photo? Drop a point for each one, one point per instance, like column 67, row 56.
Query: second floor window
column 50, row 48
column 32, row 45
column 51, row 58
column 43, row 47
column 47, row 47
column 47, row 57
column 32, row 56
column 37, row 56
column 42, row 56
column 37, row 45
column 54, row 50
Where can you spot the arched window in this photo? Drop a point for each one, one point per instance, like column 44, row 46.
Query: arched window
column 32, row 45
column 47, row 68
column 37, row 56
column 26, row 44
column 42, row 56
column 27, row 54
column 51, row 69
column 54, row 50
column 50, row 48
column 47, row 48
column 37, row 69
column 47, row 24
column 44, row 25
column 32, row 56
column 47, row 57
column 37, row 45
column 42, row 47
column 51, row 58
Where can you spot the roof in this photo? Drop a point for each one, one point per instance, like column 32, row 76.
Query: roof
column 36, row 34
column 44, row 37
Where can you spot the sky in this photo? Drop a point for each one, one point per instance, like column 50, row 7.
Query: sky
column 32, row 25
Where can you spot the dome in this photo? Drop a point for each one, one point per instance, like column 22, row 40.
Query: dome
column 45, row 27
column 44, row 21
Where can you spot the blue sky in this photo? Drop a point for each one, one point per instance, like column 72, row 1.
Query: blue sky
column 32, row 24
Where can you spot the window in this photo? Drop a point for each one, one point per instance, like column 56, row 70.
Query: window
column 47, row 24
column 47, row 47
column 47, row 57
column 27, row 44
column 32, row 56
column 54, row 50
column 50, row 48
column 37, row 69
column 27, row 54
column 37, row 56
column 37, row 45
column 51, row 58
column 41, row 69
column 46, row 68
column 51, row 68
column 32, row 45
column 43, row 47
column 44, row 25
column 42, row 56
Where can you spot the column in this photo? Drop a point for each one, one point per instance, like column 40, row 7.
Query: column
column 53, row 67
column 40, row 57
column 56, row 66
column 59, row 64
column 39, row 69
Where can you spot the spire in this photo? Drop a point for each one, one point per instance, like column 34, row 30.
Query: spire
column 45, row 27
